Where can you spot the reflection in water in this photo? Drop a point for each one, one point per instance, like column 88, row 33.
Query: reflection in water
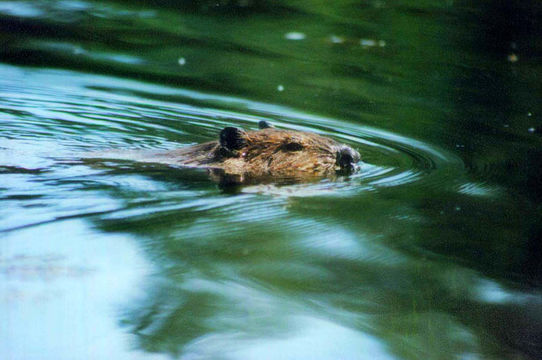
column 310, row 337
column 432, row 251
column 57, row 294
column 280, row 267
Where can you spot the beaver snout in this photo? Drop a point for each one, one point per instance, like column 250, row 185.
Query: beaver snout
column 347, row 159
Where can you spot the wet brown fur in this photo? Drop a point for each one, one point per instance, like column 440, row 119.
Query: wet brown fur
column 269, row 153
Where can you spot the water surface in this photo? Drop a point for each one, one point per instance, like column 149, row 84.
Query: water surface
column 432, row 251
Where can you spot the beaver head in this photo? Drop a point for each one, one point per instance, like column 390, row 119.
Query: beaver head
column 272, row 153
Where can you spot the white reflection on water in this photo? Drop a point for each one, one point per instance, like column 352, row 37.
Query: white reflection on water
column 62, row 286
column 492, row 292
column 63, row 296
column 478, row 189
column 336, row 242
column 310, row 338
column 21, row 9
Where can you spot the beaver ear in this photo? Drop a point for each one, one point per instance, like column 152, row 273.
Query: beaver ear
column 233, row 138
column 264, row 125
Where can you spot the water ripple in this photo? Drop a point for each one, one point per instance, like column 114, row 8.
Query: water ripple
column 85, row 113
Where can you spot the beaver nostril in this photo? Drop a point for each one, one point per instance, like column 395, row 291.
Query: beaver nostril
column 346, row 160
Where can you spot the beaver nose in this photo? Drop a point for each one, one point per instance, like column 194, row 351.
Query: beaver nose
column 347, row 159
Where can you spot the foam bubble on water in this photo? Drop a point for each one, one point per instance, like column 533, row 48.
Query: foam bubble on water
column 294, row 35
column 336, row 39
column 372, row 43
column 512, row 58
column 367, row 42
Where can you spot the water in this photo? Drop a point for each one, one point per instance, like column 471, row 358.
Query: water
column 432, row 251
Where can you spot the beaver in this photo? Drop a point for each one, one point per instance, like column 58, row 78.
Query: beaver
column 268, row 153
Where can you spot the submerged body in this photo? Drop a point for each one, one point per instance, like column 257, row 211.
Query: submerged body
column 269, row 153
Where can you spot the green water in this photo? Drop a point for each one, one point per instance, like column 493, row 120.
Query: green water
column 432, row 251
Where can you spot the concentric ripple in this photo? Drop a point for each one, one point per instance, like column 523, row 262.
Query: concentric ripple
column 204, row 241
column 96, row 113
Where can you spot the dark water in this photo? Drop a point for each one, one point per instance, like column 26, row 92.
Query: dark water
column 432, row 251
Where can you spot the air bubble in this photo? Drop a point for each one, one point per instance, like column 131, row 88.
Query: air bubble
column 295, row 36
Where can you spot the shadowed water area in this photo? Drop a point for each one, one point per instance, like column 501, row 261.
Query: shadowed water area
column 431, row 251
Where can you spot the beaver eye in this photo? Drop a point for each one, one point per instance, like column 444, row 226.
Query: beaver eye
column 293, row 146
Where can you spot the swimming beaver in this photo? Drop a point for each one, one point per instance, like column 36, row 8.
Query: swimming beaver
column 268, row 153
